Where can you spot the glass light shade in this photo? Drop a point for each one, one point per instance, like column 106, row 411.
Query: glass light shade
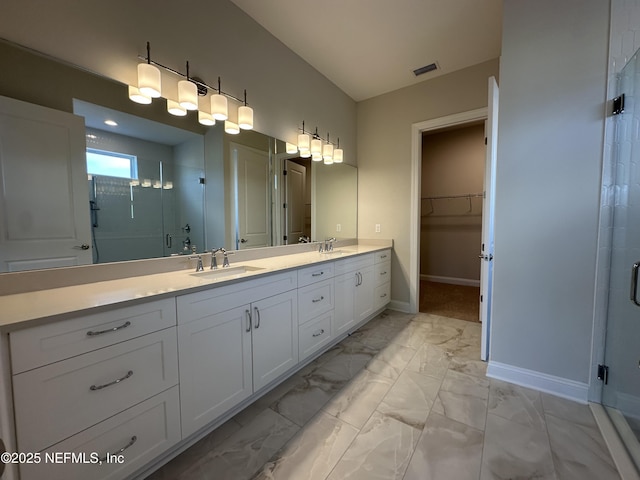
column 316, row 157
column 137, row 96
column 188, row 94
column 327, row 152
column 245, row 117
column 157, row 184
column 304, row 142
column 337, row 155
column 305, row 153
column 146, row 183
column 316, row 147
column 291, row 148
column 134, row 183
column 206, row 118
column 174, row 108
column 168, row 185
column 231, row 128
column 149, row 82
column 328, row 161
column 219, row 108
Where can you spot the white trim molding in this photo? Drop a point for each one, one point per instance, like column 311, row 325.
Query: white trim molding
column 416, row 177
column 561, row 387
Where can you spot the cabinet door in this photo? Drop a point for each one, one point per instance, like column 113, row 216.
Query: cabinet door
column 344, row 318
column 364, row 294
column 275, row 337
column 215, row 366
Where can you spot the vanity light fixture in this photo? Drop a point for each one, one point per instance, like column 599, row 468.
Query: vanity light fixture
column 327, row 152
column 189, row 88
column 149, row 79
column 291, row 148
column 338, row 154
column 219, row 105
column 174, row 108
column 311, row 145
column 245, row 115
column 188, row 93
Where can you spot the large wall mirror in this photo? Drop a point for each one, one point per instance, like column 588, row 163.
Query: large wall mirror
column 160, row 186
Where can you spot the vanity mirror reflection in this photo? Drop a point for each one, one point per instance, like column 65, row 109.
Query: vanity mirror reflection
column 184, row 185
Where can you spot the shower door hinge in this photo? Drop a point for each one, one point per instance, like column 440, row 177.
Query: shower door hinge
column 618, row 105
column 603, row 373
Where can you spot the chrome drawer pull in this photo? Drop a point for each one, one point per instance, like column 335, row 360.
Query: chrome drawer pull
column 316, row 300
column 124, row 325
column 383, row 256
column 133, row 440
column 100, row 387
column 383, row 295
column 248, row 314
column 317, row 274
column 318, row 333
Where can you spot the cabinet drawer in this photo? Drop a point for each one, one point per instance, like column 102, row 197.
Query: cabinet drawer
column 315, row 299
column 382, row 295
column 383, row 256
column 354, row 263
column 315, row 273
column 59, row 400
column 315, row 334
column 382, row 273
column 147, row 430
column 195, row 306
column 45, row 344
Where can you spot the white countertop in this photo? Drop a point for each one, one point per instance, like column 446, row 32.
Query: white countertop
column 23, row 310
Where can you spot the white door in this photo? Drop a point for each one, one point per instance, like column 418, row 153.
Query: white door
column 296, row 182
column 253, row 223
column 488, row 207
column 44, row 192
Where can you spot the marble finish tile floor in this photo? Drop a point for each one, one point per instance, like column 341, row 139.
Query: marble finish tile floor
column 405, row 397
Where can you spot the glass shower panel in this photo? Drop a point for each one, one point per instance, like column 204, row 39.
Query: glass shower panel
column 621, row 394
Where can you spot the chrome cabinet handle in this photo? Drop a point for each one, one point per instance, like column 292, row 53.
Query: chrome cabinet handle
column 317, row 334
column 100, row 387
column 383, row 295
column 248, row 314
column 317, row 274
column 133, row 440
column 634, row 283
column 316, row 300
column 91, row 333
column 84, row 246
column 383, row 256
column 257, row 317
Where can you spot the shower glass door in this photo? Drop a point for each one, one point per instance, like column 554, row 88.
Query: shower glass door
column 621, row 393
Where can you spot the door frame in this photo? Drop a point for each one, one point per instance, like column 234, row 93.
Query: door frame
column 417, row 129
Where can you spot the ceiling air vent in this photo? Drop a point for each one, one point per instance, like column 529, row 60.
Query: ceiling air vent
column 426, row 69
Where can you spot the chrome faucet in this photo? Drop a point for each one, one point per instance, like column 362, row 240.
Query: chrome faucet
column 214, row 261
column 328, row 244
column 199, row 267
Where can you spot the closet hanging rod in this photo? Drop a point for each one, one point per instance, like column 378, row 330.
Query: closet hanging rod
column 466, row 195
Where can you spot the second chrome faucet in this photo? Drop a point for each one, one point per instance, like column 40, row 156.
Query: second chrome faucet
column 214, row 260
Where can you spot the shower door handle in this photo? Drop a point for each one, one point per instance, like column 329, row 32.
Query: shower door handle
column 634, row 283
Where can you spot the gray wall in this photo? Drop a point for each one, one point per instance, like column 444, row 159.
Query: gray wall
column 553, row 75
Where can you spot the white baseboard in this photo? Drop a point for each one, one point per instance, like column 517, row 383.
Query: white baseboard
column 404, row 307
column 561, row 387
column 451, row 280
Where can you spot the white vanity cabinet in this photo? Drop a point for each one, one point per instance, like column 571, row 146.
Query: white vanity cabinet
column 316, row 304
column 99, row 383
column 233, row 341
column 354, row 283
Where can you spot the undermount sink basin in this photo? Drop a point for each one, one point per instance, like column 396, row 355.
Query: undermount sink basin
column 226, row 272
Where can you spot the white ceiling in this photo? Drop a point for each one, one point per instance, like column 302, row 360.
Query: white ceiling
column 370, row 47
